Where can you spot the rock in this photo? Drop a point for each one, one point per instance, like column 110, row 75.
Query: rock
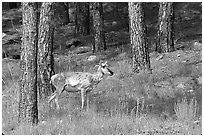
column 160, row 57
column 199, row 79
column 186, row 60
column 58, row 121
column 16, row 56
column 186, row 84
column 81, row 50
column 92, row 58
column 197, row 45
column 122, row 55
column 74, row 42
column 44, row 122
column 179, row 46
column 178, row 55
column 114, row 23
column 163, row 84
column 178, row 80
column 3, row 35
column 181, row 85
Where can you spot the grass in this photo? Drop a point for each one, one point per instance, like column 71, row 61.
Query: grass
column 186, row 110
column 92, row 123
column 125, row 104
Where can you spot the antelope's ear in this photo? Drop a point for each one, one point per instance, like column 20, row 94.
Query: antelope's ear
column 104, row 64
column 100, row 62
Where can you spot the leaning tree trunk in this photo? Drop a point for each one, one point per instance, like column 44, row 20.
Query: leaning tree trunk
column 98, row 27
column 165, row 42
column 82, row 16
column 28, row 110
column 45, row 50
column 140, row 50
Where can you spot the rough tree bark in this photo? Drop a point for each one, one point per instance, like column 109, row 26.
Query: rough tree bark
column 82, row 20
column 66, row 7
column 28, row 110
column 98, row 27
column 141, row 61
column 165, row 42
column 45, row 50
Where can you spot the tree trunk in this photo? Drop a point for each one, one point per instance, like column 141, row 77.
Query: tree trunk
column 28, row 111
column 66, row 7
column 141, row 61
column 165, row 42
column 98, row 27
column 45, row 49
column 5, row 6
column 82, row 20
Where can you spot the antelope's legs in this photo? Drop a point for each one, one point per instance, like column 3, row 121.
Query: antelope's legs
column 83, row 92
column 59, row 92
column 51, row 98
column 87, row 101
column 57, row 103
column 56, row 96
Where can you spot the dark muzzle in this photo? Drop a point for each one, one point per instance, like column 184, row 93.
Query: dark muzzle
column 111, row 72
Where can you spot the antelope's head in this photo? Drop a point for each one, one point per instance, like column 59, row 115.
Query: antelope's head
column 103, row 68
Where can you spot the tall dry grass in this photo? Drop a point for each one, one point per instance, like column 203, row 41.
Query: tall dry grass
column 186, row 110
column 122, row 104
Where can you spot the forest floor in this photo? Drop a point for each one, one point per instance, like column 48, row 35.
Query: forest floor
column 168, row 101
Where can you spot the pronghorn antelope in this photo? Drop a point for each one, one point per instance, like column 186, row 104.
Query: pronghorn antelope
column 77, row 82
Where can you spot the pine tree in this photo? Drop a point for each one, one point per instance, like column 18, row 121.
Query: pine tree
column 141, row 61
column 98, row 27
column 82, row 21
column 165, row 41
column 28, row 111
column 45, row 49
column 66, row 7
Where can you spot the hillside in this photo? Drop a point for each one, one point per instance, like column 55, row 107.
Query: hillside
column 168, row 101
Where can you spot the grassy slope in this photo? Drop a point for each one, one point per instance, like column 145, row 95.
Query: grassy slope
column 113, row 108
